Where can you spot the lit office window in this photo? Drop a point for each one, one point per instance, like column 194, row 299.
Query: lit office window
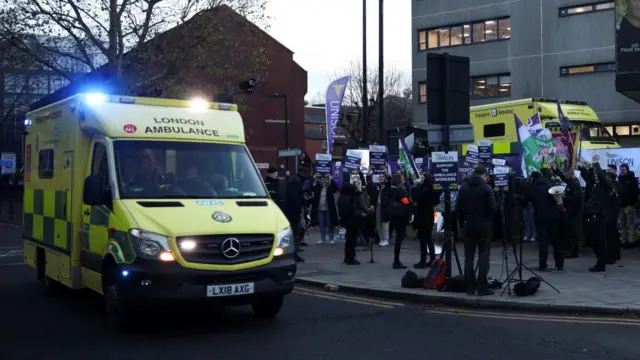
column 587, row 8
column 491, row 86
column 422, row 92
column 465, row 34
column 587, row 69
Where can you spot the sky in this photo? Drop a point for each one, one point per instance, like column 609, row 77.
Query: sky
column 326, row 35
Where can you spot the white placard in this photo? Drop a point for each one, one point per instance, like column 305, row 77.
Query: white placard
column 323, row 157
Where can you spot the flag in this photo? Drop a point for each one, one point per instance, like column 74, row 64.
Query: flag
column 333, row 103
column 406, row 159
column 565, row 124
column 529, row 148
column 534, row 124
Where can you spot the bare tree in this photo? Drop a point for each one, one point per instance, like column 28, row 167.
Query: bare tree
column 317, row 99
column 67, row 35
column 354, row 121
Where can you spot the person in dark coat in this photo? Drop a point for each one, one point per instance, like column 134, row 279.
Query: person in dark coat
column 611, row 222
column 629, row 194
column 373, row 190
column 398, row 209
column 599, row 211
column 382, row 218
column 294, row 202
column 574, row 203
column 547, row 219
column 351, row 210
column 476, row 210
column 426, row 198
column 323, row 208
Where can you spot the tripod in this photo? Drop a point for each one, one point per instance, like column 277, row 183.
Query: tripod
column 511, row 278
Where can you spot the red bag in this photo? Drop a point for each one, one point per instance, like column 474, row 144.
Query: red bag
column 437, row 277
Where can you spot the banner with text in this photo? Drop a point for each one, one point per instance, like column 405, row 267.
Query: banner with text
column 333, row 103
column 323, row 165
column 444, row 167
column 352, row 162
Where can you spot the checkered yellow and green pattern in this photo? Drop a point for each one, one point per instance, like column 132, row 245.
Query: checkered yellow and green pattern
column 47, row 217
column 104, row 226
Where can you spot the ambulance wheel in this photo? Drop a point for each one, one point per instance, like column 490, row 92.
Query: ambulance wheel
column 118, row 310
column 267, row 307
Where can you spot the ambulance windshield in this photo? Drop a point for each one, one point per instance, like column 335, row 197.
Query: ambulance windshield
column 185, row 170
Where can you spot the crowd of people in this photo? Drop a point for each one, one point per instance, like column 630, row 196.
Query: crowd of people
column 375, row 211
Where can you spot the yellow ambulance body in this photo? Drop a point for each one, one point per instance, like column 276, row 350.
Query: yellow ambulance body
column 144, row 200
column 495, row 122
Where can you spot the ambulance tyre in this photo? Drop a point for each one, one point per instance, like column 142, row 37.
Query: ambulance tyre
column 118, row 310
column 268, row 306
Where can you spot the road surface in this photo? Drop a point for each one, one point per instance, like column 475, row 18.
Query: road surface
column 313, row 325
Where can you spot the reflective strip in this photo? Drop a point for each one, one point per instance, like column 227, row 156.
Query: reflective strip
column 404, row 200
column 46, row 217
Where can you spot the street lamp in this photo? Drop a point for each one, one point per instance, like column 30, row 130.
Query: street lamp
column 381, row 136
column 286, row 123
column 365, row 107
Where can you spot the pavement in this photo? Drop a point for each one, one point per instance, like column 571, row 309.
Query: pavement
column 616, row 291
column 314, row 325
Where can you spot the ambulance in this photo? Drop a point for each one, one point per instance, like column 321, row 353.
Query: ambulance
column 148, row 200
column 495, row 122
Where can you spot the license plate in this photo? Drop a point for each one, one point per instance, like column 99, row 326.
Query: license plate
column 230, row 290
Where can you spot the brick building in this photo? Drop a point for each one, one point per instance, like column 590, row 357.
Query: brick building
column 187, row 61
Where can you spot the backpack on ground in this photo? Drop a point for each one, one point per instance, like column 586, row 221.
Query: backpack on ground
column 437, row 276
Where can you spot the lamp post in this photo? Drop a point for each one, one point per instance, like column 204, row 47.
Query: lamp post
column 365, row 96
column 381, row 137
column 286, row 124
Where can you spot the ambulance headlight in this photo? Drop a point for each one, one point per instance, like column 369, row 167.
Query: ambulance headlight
column 95, row 98
column 152, row 246
column 284, row 242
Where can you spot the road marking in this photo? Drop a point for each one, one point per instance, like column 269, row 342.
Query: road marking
column 535, row 317
column 349, row 299
column 14, row 264
column 8, row 253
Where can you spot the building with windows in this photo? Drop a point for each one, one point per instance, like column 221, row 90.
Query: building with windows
column 526, row 48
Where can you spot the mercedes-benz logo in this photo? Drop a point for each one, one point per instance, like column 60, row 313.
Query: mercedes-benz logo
column 221, row 217
column 230, row 248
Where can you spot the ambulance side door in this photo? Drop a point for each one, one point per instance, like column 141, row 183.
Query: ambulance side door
column 95, row 219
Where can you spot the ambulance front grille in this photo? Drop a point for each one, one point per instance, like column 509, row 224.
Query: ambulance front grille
column 209, row 248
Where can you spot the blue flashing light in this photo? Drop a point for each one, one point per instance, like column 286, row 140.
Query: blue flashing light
column 125, row 273
column 95, row 98
column 27, row 122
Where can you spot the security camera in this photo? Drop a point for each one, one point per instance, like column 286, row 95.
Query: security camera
column 248, row 85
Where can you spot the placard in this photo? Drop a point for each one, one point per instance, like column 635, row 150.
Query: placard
column 484, row 149
column 444, row 167
column 7, row 163
column 501, row 178
column 377, row 159
column 323, row 165
column 472, row 155
column 352, row 162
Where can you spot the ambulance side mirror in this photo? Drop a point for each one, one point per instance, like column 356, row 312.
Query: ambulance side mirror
column 94, row 194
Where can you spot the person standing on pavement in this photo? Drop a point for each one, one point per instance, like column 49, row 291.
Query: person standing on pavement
column 477, row 209
column 373, row 192
column 323, row 208
column 628, row 199
column 528, row 212
column 426, row 198
column 382, row 218
column 294, row 202
column 597, row 210
column 350, row 211
column 611, row 222
column 399, row 208
column 548, row 221
column 573, row 203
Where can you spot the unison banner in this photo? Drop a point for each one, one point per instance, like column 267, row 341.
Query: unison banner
column 333, row 103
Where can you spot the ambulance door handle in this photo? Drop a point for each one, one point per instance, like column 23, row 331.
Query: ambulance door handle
column 87, row 212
